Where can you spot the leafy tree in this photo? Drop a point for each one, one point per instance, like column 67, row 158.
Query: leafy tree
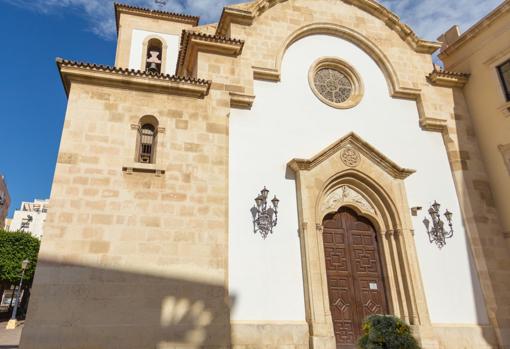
column 386, row 332
column 14, row 248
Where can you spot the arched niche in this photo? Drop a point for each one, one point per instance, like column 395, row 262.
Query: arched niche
column 372, row 185
column 413, row 90
column 351, row 35
column 147, row 131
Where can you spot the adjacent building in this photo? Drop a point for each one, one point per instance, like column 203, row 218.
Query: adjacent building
column 483, row 52
column 390, row 190
column 5, row 201
column 30, row 218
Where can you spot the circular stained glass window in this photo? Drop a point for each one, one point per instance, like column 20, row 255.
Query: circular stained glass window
column 333, row 85
column 336, row 83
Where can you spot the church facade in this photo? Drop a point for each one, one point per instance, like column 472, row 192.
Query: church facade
column 161, row 231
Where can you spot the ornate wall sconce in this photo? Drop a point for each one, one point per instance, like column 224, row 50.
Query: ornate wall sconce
column 437, row 233
column 264, row 217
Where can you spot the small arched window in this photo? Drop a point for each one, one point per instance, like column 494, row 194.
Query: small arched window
column 147, row 140
column 154, row 56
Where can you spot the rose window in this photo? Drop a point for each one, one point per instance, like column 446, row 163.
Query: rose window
column 335, row 82
column 333, row 85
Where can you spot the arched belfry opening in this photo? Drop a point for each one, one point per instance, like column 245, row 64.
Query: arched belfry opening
column 354, row 273
column 154, row 56
column 358, row 253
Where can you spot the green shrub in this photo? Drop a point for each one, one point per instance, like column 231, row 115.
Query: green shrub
column 386, row 332
column 15, row 247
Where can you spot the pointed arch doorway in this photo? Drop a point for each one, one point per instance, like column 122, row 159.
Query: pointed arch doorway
column 352, row 173
column 354, row 274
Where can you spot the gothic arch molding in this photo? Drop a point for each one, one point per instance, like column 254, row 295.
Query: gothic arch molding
column 374, row 189
column 351, row 35
column 395, row 87
column 385, row 215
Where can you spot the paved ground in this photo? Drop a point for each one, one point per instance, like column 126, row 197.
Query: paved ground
column 9, row 339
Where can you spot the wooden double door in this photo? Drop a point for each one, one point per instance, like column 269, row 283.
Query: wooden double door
column 354, row 274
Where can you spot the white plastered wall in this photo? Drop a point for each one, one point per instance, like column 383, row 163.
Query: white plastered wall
column 136, row 54
column 287, row 121
column 36, row 226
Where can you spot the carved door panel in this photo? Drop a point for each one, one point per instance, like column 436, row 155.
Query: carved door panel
column 354, row 274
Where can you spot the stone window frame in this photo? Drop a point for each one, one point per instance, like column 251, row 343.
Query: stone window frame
column 504, row 86
column 164, row 52
column 346, row 69
column 151, row 120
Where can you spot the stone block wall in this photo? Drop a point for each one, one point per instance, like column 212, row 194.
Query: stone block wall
column 134, row 260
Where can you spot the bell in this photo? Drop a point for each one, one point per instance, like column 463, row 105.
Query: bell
column 153, row 68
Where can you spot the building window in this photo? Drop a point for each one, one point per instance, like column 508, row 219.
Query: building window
column 154, row 56
column 336, row 83
column 147, row 140
column 333, row 85
column 504, row 75
column 147, row 143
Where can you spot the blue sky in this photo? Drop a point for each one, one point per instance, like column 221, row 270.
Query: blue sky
column 34, row 32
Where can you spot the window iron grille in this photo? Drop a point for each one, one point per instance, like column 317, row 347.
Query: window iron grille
column 147, row 143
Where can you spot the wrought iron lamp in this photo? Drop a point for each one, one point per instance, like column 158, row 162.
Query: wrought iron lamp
column 438, row 233
column 265, row 218
column 11, row 325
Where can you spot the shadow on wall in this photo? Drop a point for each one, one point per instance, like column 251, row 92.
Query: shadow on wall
column 479, row 203
column 76, row 306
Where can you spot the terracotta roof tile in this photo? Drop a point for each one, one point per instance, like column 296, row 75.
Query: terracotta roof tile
column 445, row 78
column 442, row 72
column 194, row 20
column 129, row 72
column 188, row 34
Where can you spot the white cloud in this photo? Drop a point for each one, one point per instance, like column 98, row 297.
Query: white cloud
column 100, row 13
column 429, row 18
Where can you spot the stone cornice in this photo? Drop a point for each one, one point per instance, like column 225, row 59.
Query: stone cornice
column 360, row 145
column 71, row 71
column 241, row 100
column 244, row 14
column 140, row 11
column 444, row 78
column 476, row 29
column 433, row 124
column 393, row 22
column 192, row 42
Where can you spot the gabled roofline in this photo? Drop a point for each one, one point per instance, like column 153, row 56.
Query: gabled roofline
column 121, row 77
column 244, row 14
column 362, row 146
column 193, row 41
column 476, row 28
column 141, row 11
